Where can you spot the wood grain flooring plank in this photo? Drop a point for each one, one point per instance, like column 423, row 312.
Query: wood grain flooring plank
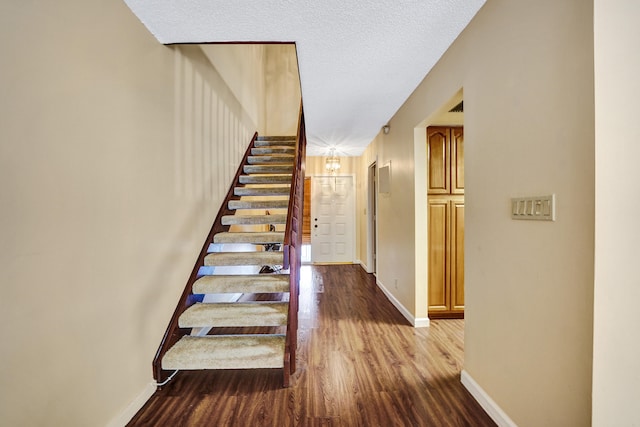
column 207, row 412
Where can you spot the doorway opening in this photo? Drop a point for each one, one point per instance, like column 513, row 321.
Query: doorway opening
column 445, row 211
column 372, row 207
column 306, row 223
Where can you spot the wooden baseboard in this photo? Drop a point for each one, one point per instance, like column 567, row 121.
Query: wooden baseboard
column 445, row 315
column 488, row 404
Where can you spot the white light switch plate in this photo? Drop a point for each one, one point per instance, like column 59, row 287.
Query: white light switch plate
column 541, row 208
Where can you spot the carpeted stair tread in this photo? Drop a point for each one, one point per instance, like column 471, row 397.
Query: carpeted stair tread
column 281, row 190
column 275, row 137
column 256, row 237
column 254, row 219
column 244, row 258
column 265, row 141
column 226, row 352
column 266, row 179
column 252, row 283
column 273, row 149
column 284, row 159
column 258, row 204
column 275, row 168
column 275, row 143
column 233, row 314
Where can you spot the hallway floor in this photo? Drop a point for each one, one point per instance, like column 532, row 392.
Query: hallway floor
column 359, row 363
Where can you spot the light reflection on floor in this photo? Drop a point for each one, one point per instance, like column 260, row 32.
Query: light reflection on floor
column 310, row 285
column 306, row 254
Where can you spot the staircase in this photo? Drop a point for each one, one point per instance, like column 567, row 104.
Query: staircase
column 239, row 307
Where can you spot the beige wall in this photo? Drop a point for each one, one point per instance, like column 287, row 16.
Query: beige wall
column 363, row 212
column 527, row 73
column 243, row 70
column 115, row 152
column 282, row 89
column 264, row 78
column 616, row 359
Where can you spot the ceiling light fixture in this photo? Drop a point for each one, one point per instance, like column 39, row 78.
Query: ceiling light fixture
column 332, row 163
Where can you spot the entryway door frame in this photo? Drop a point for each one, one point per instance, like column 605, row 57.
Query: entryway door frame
column 350, row 212
column 372, row 209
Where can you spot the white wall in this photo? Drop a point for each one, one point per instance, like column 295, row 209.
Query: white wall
column 526, row 69
column 616, row 358
column 115, row 152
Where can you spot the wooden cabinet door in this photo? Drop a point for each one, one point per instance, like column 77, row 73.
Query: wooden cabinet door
column 445, row 252
column 438, row 254
column 456, row 287
column 445, row 223
column 438, row 160
column 457, row 161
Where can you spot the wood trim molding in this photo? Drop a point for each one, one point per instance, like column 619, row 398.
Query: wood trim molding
column 421, row 322
column 488, row 404
column 364, row 266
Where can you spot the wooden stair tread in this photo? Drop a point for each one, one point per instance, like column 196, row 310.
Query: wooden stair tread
column 256, row 237
column 265, row 313
column 250, row 283
column 254, row 219
column 226, row 352
column 258, row 204
column 244, row 258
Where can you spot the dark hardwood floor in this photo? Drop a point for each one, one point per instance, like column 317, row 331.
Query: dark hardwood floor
column 360, row 363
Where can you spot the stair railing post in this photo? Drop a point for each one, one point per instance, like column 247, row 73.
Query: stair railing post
column 292, row 246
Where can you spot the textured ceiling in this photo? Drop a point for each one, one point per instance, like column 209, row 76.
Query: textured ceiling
column 359, row 60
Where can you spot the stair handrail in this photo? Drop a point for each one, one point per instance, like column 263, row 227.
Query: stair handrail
column 173, row 333
column 292, row 246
